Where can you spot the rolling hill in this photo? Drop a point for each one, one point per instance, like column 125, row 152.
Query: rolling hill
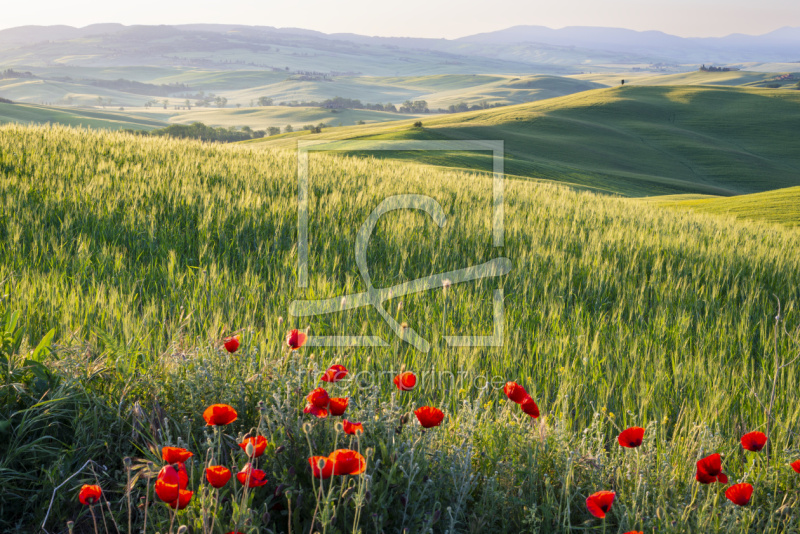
column 780, row 206
column 636, row 141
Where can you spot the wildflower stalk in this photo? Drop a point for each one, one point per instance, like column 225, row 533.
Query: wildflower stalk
column 94, row 519
column 127, row 462
column 147, row 496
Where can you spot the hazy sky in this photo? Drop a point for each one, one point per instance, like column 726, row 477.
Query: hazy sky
column 421, row 18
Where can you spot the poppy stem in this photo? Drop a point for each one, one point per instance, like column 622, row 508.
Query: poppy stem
column 146, row 501
column 94, row 519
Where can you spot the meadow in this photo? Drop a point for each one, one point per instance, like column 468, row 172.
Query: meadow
column 125, row 261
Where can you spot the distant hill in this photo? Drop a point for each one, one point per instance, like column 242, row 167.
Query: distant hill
column 520, row 49
column 635, row 141
column 780, row 206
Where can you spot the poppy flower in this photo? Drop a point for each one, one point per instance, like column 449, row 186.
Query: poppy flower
column 796, row 466
column 347, row 462
column 515, row 392
column 600, row 503
column 327, row 467
column 168, row 484
column 405, row 381
column 334, row 373
column 631, row 437
column 339, row 405
column 296, row 339
column 634, row 532
column 529, row 407
column 429, row 416
column 182, row 501
column 219, row 414
column 259, row 444
column 258, row 477
column 709, row 469
column 183, row 476
column 90, row 494
column 218, row 475
column 319, row 398
column 352, row 428
column 754, row 441
column 739, row 494
column 231, row 344
column 173, row 455
column 317, row 412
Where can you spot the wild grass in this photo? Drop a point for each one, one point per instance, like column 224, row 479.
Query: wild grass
column 142, row 254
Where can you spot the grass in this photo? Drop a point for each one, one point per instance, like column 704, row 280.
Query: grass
column 634, row 141
column 781, row 206
column 109, row 120
column 141, row 254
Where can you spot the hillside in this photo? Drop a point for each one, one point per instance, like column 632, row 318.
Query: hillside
column 140, row 255
column 636, row 141
column 780, row 206
column 110, row 120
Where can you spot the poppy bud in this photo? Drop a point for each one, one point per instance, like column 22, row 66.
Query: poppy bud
column 182, row 529
column 265, row 518
column 70, row 526
column 280, row 449
column 291, row 470
column 249, row 449
column 436, row 515
column 279, row 490
column 300, row 501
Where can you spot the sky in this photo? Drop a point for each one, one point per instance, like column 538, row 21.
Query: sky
column 422, row 18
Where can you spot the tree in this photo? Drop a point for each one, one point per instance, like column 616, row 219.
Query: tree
column 273, row 130
column 221, row 101
column 264, row 101
column 188, row 104
column 165, row 102
column 288, row 128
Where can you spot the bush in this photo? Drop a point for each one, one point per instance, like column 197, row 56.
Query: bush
column 418, row 124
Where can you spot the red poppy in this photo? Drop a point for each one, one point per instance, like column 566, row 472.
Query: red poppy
column 334, row 373
column 168, row 484
column 258, row 477
column 317, row 412
column 219, row 414
column 709, row 469
column 90, row 494
column 600, row 503
column 796, row 466
column 218, row 475
column 339, row 405
column 352, row 428
column 327, row 467
column 296, row 339
column 631, row 437
column 429, row 416
column 231, row 344
column 259, row 444
column 182, row 501
column 347, row 462
column 183, row 476
column 515, row 392
column 529, row 407
column 754, row 441
column 173, row 455
column 739, row 494
column 634, row 532
column 405, row 381
column 319, row 398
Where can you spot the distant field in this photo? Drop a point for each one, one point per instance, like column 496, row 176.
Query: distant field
column 632, row 140
column 280, row 116
column 31, row 114
column 779, row 206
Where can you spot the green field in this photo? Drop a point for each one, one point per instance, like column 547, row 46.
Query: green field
column 781, row 206
column 141, row 254
column 635, row 141
column 85, row 118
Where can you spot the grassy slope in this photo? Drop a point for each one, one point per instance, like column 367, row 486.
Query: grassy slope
column 142, row 253
column 32, row 114
column 779, row 206
column 636, row 141
column 280, row 116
